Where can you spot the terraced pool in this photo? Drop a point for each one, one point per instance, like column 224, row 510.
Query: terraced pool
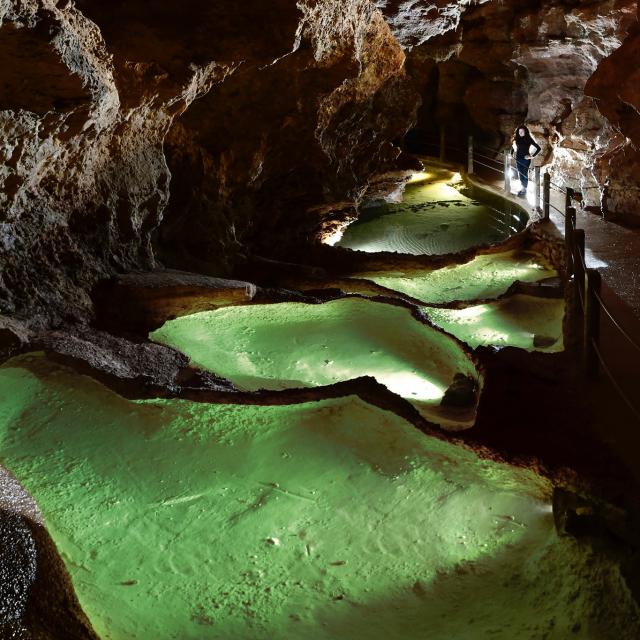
column 433, row 218
column 328, row 519
column 483, row 277
column 324, row 520
column 291, row 345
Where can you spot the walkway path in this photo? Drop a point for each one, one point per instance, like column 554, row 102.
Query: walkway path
column 615, row 252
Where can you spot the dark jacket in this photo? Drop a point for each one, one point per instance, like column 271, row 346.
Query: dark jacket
column 524, row 143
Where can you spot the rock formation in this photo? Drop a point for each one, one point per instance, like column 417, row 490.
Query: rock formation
column 496, row 65
column 225, row 132
column 236, row 124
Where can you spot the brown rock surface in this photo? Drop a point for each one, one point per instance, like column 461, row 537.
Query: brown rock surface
column 243, row 118
column 14, row 336
column 616, row 88
column 138, row 369
column 530, row 61
column 143, row 301
column 37, row 599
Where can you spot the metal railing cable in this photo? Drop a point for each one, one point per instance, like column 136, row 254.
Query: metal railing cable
column 498, row 167
column 482, row 164
column 594, row 343
column 482, row 155
column 558, row 187
column 582, row 303
column 604, row 307
column 616, row 324
column 556, row 209
column 490, row 149
column 614, row 382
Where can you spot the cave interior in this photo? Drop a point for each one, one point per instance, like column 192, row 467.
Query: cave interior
column 297, row 341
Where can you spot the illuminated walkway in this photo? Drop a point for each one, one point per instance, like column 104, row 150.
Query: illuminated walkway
column 615, row 252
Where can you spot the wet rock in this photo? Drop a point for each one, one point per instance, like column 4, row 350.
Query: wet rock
column 143, row 301
column 543, row 342
column 14, row 336
column 462, row 393
column 17, row 568
column 37, row 599
column 133, row 369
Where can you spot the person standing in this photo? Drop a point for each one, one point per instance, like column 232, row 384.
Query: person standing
column 521, row 142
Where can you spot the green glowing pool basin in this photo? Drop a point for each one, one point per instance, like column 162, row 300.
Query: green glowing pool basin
column 434, row 218
column 293, row 345
column 319, row 521
column 527, row 322
column 484, row 277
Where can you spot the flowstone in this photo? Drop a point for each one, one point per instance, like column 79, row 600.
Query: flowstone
column 526, row 322
column 324, row 520
column 433, row 218
column 484, row 277
column 292, row 345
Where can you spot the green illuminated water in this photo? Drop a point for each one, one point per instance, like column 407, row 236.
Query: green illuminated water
column 294, row 345
column 484, row 277
column 434, row 218
column 320, row 521
column 527, row 322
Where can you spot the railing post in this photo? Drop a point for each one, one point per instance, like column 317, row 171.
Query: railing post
column 507, row 171
column 470, row 155
column 578, row 263
column 442, row 142
column 546, row 194
column 536, row 194
column 592, row 323
column 569, row 229
column 568, row 197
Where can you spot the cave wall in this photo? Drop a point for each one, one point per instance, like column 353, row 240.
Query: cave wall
column 194, row 135
column 237, row 124
column 535, row 60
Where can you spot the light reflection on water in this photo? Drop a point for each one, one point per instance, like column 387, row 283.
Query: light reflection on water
column 433, row 218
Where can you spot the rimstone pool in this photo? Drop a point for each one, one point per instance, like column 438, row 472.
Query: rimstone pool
column 434, row 217
column 330, row 518
column 324, row 520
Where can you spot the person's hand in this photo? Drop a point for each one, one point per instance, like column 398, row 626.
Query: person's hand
column 528, row 157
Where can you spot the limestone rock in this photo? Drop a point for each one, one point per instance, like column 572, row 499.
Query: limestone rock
column 614, row 85
column 414, row 22
column 462, row 393
column 229, row 120
column 143, row 301
column 516, row 62
column 135, row 369
column 14, row 335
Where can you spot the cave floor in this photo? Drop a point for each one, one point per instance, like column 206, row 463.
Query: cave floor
column 323, row 520
column 331, row 518
column 484, row 277
column 526, row 322
column 293, row 345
